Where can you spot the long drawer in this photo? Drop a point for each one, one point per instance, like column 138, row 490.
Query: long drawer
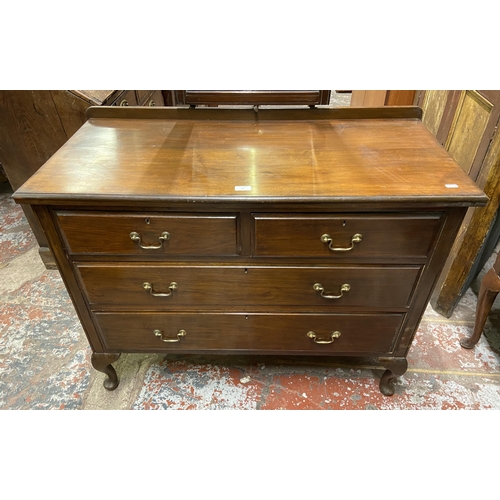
column 364, row 334
column 149, row 234
column 166, row 287
column 345, row 236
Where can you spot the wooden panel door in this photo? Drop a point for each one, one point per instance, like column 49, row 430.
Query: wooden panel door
column 433, row 104
column 466, row 123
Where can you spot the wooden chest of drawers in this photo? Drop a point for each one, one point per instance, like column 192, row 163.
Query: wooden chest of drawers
column 305, row 232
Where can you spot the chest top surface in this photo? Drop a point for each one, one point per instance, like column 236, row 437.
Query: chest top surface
column 174, row 155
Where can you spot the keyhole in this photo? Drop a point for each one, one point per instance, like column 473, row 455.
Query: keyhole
column 343, row 224
column 246, row 271
column 148, row 221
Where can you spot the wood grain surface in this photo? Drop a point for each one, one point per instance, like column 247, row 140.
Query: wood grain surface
column 249, row 333
column 109, row 233
column 246, row 198
column 223, row 286
column 262, row 159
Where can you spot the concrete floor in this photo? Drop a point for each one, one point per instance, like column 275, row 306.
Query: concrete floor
column 45, row 358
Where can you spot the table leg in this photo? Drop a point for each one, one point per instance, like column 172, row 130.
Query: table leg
column 395, row 368
column 490, row 287
column 102, row 363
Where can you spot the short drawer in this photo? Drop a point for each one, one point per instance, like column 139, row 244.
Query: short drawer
column 363, row 334
column 149, row 98
column 166, row 287
column 345, row 237
column 155, row 99
column 149, row 234
column 128, row 98
column 142, row 95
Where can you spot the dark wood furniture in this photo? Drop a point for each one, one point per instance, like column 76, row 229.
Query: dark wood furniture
column 246, row 97
column 34, row 124
column 488, row 291
column 314, row 232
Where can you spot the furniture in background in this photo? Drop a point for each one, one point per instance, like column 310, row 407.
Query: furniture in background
column 290, row 232
column 490, row 288
column 466, row 123
column 34, row 124
column 246, row 97
column 376, row 98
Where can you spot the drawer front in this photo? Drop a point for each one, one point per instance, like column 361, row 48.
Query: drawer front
column 350, row 236
column 365, row 334
column 155, row 99
column 142, row 95
column 128, row 98
column 166, row 235
column 150, row 98
column 162, row 286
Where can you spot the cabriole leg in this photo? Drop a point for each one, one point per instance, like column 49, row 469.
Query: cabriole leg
column 395, row 368
column 490, row 287
column 102, row 363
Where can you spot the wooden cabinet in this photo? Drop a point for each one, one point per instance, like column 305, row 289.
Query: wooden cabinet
column 137, row 98
column 246, row 97
column 311, row 232
column 34, row 124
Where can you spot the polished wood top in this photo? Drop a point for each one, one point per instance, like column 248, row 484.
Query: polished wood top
column 306, row 156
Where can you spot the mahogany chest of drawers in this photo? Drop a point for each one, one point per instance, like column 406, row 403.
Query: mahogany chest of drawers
column 294, row 232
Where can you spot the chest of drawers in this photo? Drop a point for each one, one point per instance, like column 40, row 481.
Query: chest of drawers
column 304, row 232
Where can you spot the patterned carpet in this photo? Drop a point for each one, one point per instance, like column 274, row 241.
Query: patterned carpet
column 45, row 358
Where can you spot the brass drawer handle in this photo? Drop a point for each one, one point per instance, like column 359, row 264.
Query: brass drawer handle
column 180, row 334
column 137, row 237
column 148, row 286
column 333, row 336
column 124, row 102
column 151, row 103
column 318, row 287
column 326, row 238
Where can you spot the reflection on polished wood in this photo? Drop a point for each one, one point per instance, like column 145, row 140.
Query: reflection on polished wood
column 278, row 159
column 315, row 232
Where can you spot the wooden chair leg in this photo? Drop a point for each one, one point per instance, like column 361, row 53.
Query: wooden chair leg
column 490, row 287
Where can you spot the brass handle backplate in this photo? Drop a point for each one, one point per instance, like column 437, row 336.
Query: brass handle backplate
column 318, row 287
column 134, row 236
column 151, row 103
column 124, row 102
column 148, row 286
column 180, row 334
column 326, row 238
column 333, row 336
